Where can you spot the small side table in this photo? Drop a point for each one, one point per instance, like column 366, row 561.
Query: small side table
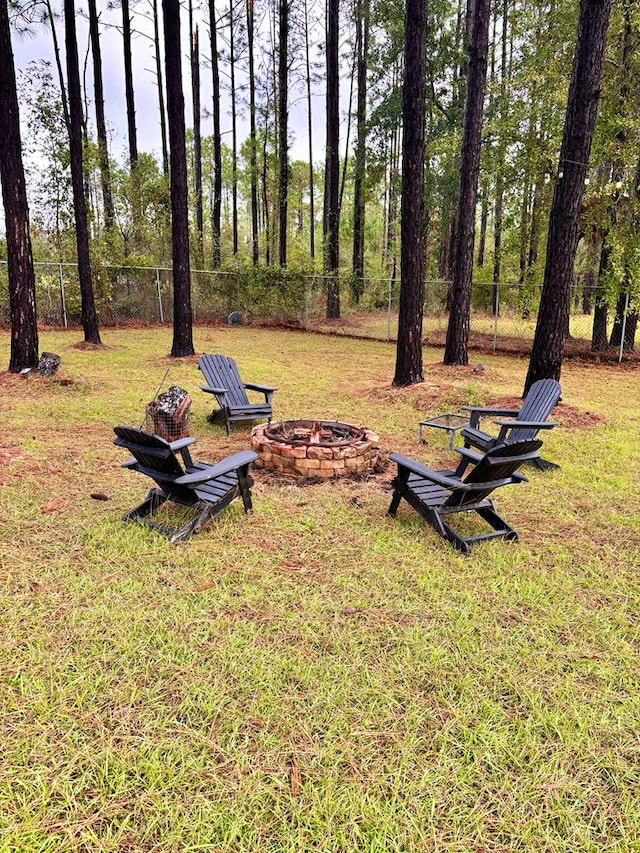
column 449, row 421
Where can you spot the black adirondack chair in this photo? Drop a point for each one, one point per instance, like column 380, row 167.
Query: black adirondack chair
column 224, row 382
column 206, row 488
column 523, row 423
column 437, row 495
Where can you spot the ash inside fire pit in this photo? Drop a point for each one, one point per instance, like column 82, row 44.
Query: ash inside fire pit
column 314, row 448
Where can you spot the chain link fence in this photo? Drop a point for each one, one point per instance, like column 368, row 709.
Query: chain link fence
column 503, row 316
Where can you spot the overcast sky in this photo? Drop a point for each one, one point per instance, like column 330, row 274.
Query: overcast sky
column 38, row 45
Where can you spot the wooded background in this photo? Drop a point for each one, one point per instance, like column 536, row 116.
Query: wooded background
column 336, row 211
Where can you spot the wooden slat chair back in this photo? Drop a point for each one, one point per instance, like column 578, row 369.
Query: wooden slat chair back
column 522, row 425
column 439, row 494
column 224, row 382
column 206, row 488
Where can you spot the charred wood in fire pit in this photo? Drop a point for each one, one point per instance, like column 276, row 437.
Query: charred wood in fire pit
column 307, row 432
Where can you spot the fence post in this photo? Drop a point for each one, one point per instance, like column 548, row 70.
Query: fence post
column 159, row 295
column 62, row 299
column 496, row 311
column 624, row 325
column 306, row 304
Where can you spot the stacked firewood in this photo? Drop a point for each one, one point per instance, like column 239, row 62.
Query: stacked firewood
column 168, row 414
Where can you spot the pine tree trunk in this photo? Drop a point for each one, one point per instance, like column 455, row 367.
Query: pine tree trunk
column 312, row 218
column 456, row 349
column 599, row 342
column 132, row 132
column 89, row 316
column 412, row 258
column 22, row 283
column 345, row 162
column 499, row 199
column 266, row 206
column 497, row 239
column 253, row 155
column 484, row 218
column 101, row 125
column 216, row 256
column 234, row 132
column 128, row 86
column 391, row 242
column 362, row 49
column 332, row 168
column 283, row 130
column 182, row 315
column 197, row 143
column 625, row 76
column 56, row 53
column 534, row 226
column 562, row 241
column 161, row 107
column 525, row 207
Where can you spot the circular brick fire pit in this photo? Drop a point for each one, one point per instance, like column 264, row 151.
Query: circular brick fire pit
column 309, row 448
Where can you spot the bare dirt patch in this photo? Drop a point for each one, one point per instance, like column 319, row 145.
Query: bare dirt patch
column 575, row 349
column 434, row 395
column 424, row 397
column 568, row 416
column 87, row 346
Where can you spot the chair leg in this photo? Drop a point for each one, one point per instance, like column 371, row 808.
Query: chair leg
column 395, row 503
column 544, row 464
column 245, row 482
column 498, row 523
column 434, row 518
column 196, row 524
column 399, row 484
column 447, row 532
column 207, row 512
column 154, row 499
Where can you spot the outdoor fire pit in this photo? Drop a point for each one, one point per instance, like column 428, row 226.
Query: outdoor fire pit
column 308, row 448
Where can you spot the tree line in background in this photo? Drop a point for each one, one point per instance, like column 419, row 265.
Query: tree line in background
column 453, row 148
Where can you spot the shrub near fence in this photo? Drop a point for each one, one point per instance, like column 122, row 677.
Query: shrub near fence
column 144, row 295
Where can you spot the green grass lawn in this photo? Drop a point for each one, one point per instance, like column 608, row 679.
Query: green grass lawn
column 316, row 676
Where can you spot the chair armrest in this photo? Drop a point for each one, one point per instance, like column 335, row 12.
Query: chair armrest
column 181, row 443
column 472, row 455
column 477, row 412
column 267, row 390
column 181, row 446
column 469, row 457
column 253, row 387
column 483, row 412
column 419, row 470
column 211, row 390
column 507, row 426
column 453, row 482
column 211, row 472
column 447, row 481
column 527, row 424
